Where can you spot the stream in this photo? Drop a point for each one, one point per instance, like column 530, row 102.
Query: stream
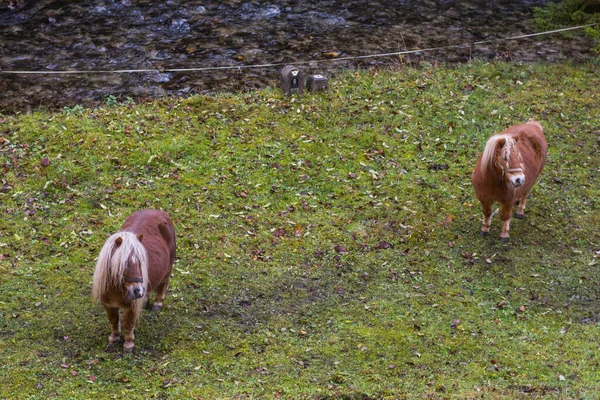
column 96, row 35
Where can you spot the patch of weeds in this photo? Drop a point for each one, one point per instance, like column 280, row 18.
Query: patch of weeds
column 112, row 101
column 75, row 110
column 567, row 13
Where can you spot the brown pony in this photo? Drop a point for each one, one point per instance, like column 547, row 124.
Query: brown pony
column 134, row 261
column 506, row 171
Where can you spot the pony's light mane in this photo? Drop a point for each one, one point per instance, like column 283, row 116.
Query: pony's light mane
column 489, row 153
column 112, row 263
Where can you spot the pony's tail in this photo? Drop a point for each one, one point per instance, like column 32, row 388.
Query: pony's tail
column 536, row 123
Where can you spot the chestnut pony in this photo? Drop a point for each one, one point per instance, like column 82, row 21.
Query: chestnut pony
column 506, row 171
column 134, row 261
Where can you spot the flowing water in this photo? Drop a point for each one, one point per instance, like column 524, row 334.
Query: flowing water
column 89, row 35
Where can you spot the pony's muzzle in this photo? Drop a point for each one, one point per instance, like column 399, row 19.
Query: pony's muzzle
column 136, row 291
column 517, row 180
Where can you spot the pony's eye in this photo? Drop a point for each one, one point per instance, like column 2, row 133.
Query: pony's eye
column 504, row 158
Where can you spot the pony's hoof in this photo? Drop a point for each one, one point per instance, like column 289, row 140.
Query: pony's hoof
column 519, row 216
column 483, row 233
column 128, row 347
column 156, row 308
column 112, row 339
column 504, row 239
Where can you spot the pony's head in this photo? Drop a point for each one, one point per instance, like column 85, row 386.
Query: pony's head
column 122, row 266
column 502, row 155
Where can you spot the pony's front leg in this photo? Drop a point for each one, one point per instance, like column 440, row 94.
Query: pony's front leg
column 129, row 319
column 487, row 218
column 521, row 209
column 115, row 331
column 505, row 212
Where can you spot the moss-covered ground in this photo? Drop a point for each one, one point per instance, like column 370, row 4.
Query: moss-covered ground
column 328, row 244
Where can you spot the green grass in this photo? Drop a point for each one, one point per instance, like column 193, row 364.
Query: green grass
column 328, row 245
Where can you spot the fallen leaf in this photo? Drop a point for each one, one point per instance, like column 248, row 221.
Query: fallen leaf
column 564, row 330
column 298, row 231
column 340, row 249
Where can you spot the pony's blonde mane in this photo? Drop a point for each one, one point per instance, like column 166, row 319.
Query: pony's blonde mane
column 489, row 153
column 112, row 263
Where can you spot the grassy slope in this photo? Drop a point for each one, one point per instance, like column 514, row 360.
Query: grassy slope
column 324, row 249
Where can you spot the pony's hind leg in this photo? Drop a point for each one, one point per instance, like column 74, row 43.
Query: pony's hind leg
column 115, row 331
column 521, row 209
column 161, row 291
column 146, row 302
column 487, row 218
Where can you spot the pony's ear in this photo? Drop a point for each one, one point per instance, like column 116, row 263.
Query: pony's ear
column 118, row 241
column 501, row 142
column 140, row 236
